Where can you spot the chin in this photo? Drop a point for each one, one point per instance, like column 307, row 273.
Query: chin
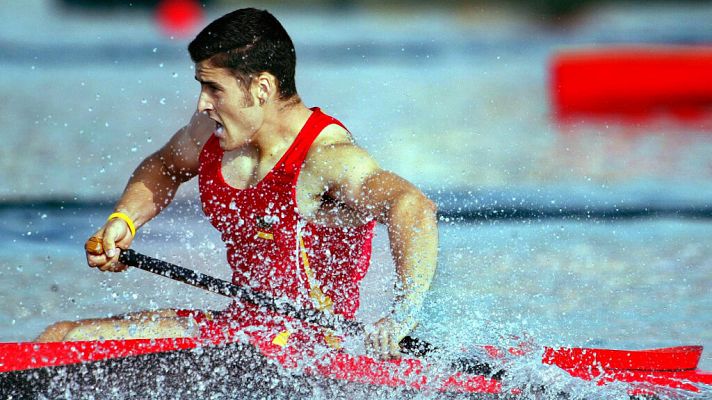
column 228, row 144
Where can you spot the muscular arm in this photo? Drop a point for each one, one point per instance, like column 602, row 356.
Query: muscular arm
column 353, row 178
column 155, row 181
column 412, row 231
column 151, row 188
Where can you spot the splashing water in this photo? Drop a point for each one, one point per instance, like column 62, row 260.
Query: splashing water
column 496, row 304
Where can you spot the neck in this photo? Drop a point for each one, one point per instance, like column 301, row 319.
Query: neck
column 282, row 123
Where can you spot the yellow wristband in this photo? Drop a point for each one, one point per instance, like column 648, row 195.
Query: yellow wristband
column 126, row 219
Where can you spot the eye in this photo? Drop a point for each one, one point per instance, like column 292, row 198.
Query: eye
column 211, row 87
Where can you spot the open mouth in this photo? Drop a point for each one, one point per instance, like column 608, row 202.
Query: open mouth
column 219, row 129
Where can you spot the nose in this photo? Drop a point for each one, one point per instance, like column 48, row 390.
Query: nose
column 204, row 103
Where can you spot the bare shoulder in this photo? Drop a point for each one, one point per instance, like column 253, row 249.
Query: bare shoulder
column 333, row 134
column 336, row 165
column 334, row 151
column 346, row 172
column 182, row 152
column 193, row 135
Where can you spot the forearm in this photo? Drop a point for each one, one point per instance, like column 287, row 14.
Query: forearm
column 413, row 234
column 149, row 190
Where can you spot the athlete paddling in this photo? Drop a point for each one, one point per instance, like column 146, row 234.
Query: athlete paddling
column 294, row 198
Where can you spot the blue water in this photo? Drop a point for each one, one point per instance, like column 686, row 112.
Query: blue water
column 630, row 284
column 455, row 101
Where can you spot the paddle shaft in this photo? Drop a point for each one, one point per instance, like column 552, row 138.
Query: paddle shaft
column 133, row 259
column 409, row 345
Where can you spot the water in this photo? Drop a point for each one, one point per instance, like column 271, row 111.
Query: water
column 634, row 284
column 455, row 102
column 477, row 81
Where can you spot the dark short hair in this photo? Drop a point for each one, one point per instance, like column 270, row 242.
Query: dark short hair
column 248, row 41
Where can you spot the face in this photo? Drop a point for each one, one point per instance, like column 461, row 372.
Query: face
column 224, row 99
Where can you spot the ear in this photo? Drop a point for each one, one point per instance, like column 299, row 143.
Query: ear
column 266, row 87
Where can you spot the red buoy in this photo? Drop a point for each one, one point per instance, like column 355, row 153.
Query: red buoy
column 179, row 17
column 637, row 82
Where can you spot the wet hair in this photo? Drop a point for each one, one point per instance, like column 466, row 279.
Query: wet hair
column 247, row 42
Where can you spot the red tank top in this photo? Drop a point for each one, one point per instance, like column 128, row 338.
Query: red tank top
column 270, row 247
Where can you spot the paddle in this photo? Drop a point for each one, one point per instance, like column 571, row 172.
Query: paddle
column 409, row 345
column 684, row 358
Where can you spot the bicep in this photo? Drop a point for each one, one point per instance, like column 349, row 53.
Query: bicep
column 354, row 178
column 383, row 191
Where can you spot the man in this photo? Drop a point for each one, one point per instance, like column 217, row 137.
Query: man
column 294, row 198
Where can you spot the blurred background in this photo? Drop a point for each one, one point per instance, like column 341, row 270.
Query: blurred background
column 587, row 230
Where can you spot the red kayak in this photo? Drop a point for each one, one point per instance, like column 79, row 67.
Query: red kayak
column 32, row 368
column 244, row 365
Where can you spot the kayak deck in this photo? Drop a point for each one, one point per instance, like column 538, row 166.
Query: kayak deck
column 152, row 366
column 234, row 370
column 27, row 355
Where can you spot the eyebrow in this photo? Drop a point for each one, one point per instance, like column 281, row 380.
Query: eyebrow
column 204, row 82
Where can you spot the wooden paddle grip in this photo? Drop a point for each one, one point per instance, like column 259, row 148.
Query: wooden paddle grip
column 94, row 246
